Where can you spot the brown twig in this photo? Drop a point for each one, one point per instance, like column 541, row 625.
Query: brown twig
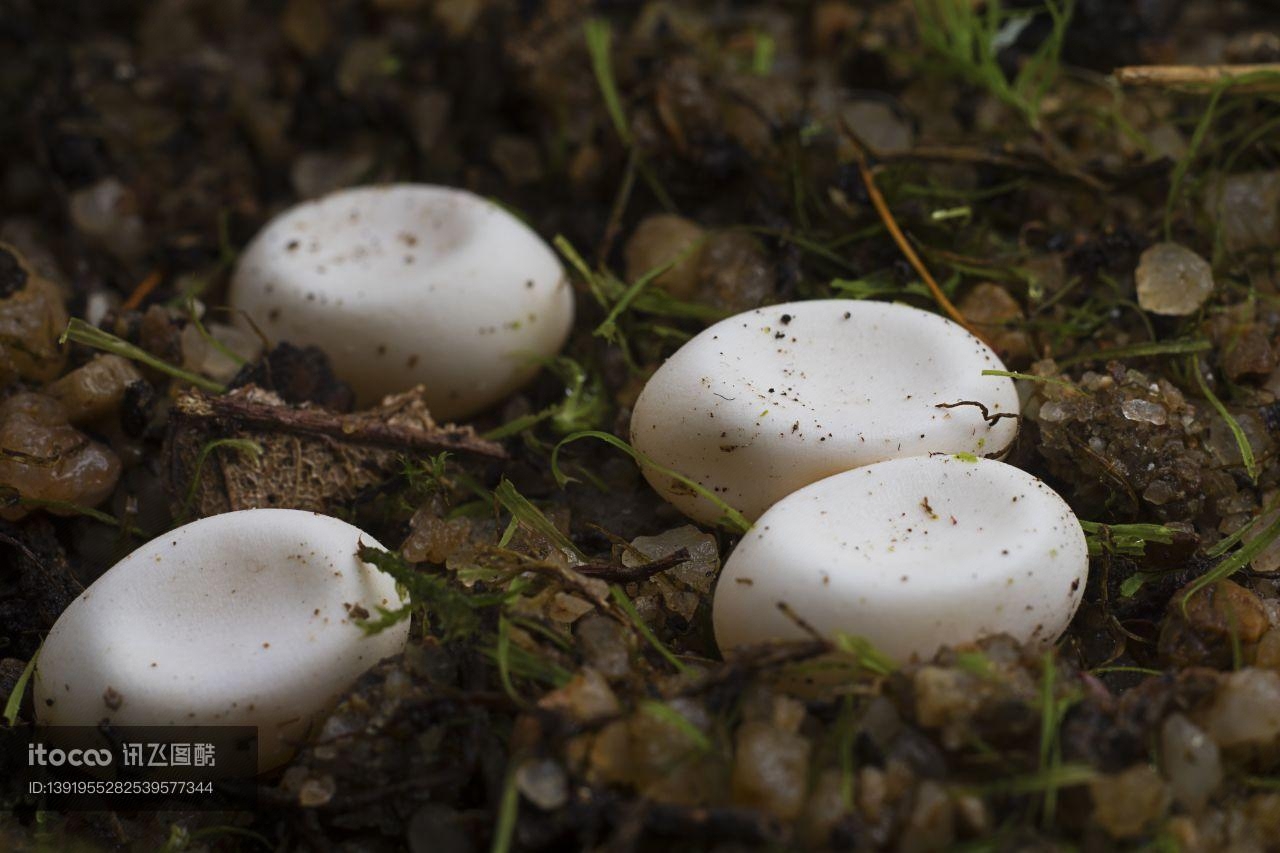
column 144, row 288
column 986, row 414
column 799, row 621
column 594, row 590
column 1199, row 76
column 244, row 408
column 633, row 574
column 904, row 245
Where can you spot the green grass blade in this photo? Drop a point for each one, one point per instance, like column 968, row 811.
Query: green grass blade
column 1229, row 542
column 624, row 603
column 10, row 496
column 864, row 653
column 502, row 656
column 1242, row 441
column 594, row 281
column 243, row 445
column 599, row 38
column 14, row 701
column 733, row 519
column 532, row 518
column 1236, row 561
column 1062, row 776
column 82, row 333
column 1184, row 164
column 608, row 327
column 1125, row 539
column 1050, row 380
column 1147, row 350
column 1141, row 670
column 227, row 351
column 676, row 720
column 508, row 812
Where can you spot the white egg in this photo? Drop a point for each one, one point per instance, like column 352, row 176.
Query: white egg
column 912, row 554
column 768, row 401
column 408, row 283
column 246, row 618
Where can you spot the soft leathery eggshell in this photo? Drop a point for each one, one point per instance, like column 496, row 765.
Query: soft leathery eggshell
column 408, row 283
column 912, row 554
column 244, row 618
column 768, row 401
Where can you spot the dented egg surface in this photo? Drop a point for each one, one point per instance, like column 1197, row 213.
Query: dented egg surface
column 246, row 618
column 768, row 401
column 911, row 554
column 409, row 283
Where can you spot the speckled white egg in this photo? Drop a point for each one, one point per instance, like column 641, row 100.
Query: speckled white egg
column 768, row 401
column 408, row 283
column 246, row 618
column 912, row 554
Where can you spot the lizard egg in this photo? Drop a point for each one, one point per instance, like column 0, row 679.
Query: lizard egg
column 246, row 618
column 409, row 283
column 763, row 403
column 911, row 554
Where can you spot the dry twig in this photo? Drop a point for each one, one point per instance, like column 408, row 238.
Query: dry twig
column 142, row 291
column 247, row 409
column 1196, row 77
column 904, row 245
column 634, row 574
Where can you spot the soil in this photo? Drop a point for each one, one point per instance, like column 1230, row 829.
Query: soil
column 563, row 689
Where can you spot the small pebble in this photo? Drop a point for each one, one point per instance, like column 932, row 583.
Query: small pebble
column 94, row 390
column 1173, row 280
column 698, row 571
column 1248, row 206
column 543, row 782
column 661, row 239
column 932, row 824
column 999, row 317
column 1191, row 762
column 44, row 458
column 1137, row 409
column 878, row 125
column 1246, row 710
column 219, row 351
column 770, row 769
column 32, row 316
column 106, row 213
column 1128, row 804
column 736, row 273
